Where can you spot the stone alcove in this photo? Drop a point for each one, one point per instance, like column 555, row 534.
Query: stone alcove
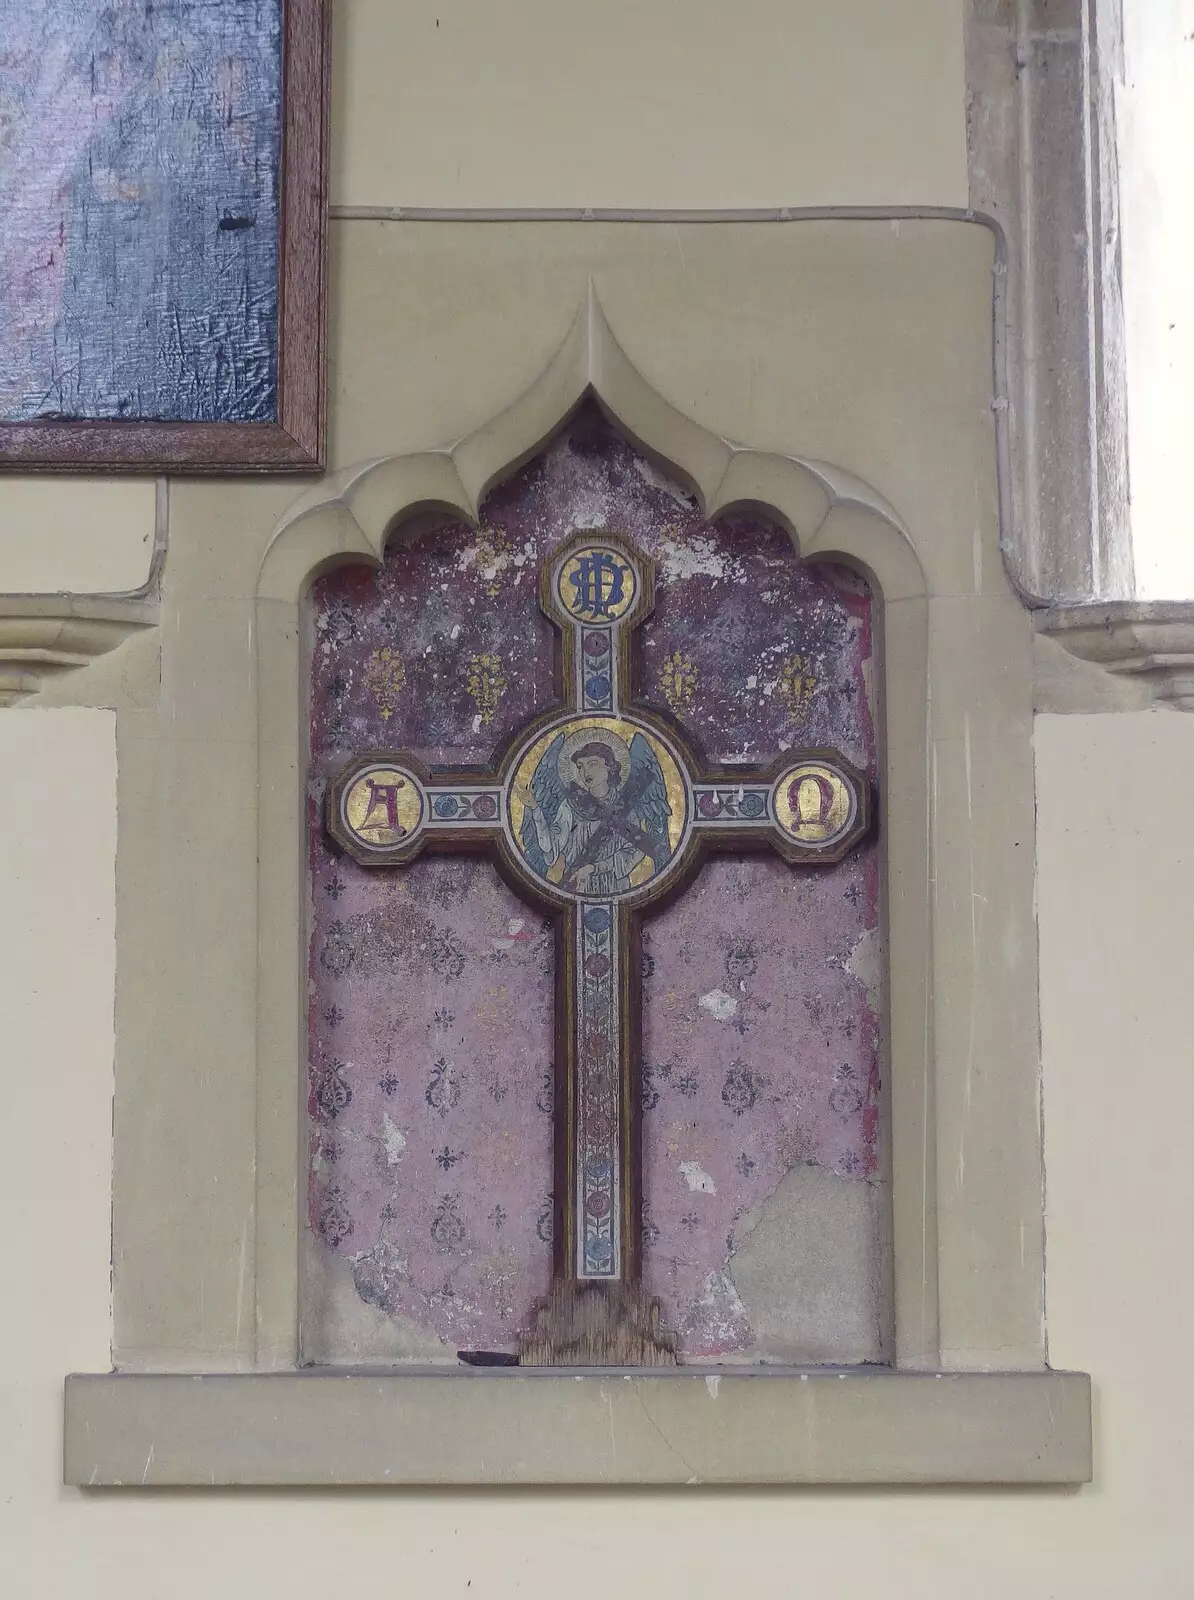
column 430, row 1027
column 954, row 698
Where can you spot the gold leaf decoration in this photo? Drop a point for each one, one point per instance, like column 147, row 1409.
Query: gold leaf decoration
column 796, row 685
column 792, row 1145
column 491, row 559
column 385, row 679
column 678, row 682
column 496, row 1013
column 486, row 684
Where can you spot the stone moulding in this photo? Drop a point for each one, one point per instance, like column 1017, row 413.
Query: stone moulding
column 829, row 513
column 1041, row 92
column 1147, row 643
column 354, row 511
column 539, row 1426
column 43, row 635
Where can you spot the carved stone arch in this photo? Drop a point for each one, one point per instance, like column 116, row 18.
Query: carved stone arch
column 828, row 511
column 829, row 514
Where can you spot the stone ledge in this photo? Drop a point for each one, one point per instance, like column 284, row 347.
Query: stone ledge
column 545, row 1426
column 44, row 635
column 1147, row 645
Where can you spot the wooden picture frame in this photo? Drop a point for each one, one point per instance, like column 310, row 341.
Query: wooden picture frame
column 292, row 439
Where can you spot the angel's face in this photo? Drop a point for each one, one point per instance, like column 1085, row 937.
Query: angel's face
column 595, row 774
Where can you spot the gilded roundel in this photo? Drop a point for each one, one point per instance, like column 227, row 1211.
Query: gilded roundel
column 382, row 806
column 596, row 583
column 598, row 807
column 814, row 804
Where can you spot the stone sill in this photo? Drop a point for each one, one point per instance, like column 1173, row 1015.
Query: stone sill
column 507, row 1426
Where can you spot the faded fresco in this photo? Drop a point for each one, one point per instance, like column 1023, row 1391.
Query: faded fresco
column 139, row 252
column 431, row 1014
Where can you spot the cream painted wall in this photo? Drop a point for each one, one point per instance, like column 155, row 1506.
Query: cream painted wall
column 83, row 535
column 649, row 103
column 815, row 104
column 1118, row 1017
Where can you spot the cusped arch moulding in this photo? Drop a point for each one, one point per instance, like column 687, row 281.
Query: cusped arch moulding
column 830, row 512
column 43, row 636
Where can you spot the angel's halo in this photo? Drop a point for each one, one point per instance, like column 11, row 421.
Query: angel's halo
column 589, row 735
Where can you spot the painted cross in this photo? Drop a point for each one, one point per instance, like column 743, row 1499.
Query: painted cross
column 598, row 812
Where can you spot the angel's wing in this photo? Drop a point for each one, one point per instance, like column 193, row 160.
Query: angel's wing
column 646, row 784
column 549, row 792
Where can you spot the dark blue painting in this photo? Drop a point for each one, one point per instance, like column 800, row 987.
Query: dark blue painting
column 140, row 237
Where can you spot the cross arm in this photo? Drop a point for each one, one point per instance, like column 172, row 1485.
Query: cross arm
column 385, row 808
column 809, row 806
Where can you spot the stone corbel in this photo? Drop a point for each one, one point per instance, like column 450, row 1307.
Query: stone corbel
column 43, row 635
column 1121, row 654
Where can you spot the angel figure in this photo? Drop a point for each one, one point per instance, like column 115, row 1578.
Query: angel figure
column 596, row 810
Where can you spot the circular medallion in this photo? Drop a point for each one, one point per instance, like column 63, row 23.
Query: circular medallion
column 382, row 806
column 813, row 804
column 597, row 584
column 598, row 807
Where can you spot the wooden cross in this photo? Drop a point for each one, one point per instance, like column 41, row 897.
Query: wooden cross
column 598, row 812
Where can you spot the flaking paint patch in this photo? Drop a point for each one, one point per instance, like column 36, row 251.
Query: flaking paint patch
column 722, row 1007
column 698, row 557
column 340, row 1325
column 717, row 1320
column 394, row 1140
column 697, row 1179
column 865, row 963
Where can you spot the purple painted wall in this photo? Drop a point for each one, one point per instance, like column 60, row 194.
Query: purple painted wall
column 431, row 987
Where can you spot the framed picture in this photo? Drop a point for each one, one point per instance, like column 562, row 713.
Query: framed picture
column 162, row 250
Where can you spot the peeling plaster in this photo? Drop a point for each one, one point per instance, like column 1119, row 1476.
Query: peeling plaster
column 394, row 1140
column 722, row 1007
column 808, row 1272
column 697, row 1179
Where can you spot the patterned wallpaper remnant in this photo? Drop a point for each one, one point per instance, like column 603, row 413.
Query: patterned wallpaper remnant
column 760, row 1052
column 431, row 989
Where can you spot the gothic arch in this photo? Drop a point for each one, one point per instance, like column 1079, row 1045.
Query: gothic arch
column 828, row 511
column 830, row 514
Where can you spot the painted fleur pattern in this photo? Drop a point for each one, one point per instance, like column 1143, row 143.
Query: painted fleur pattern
column 731, row 1109
column 433, row 1176
column 431, row 1014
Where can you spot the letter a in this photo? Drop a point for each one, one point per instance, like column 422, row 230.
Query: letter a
column 385, row 795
